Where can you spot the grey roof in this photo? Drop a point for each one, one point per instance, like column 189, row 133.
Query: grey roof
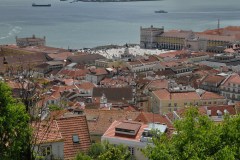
column 26, row 58
column 114, row 94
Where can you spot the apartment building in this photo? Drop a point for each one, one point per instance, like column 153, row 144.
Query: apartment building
column 164, row 100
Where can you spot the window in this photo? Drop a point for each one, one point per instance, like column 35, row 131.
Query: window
column 131, row 150
column 75, row 139
column 46, row 150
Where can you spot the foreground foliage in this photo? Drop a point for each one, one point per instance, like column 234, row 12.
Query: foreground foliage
column 198, row 137
column 105, row 151
column 14, row 128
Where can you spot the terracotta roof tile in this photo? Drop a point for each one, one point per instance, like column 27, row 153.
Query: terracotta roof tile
column 162, row 94
column 110, row 132
column 98, row 71
column 76, row 125
column 86, row 86
column 158, row 84
column 60, row 56
column 47, row 131
column 100, row 120
column 235, row 79
column 230, row 108
column 185, row 95
column 147, row 117
column 211, row 95
column 214, row 79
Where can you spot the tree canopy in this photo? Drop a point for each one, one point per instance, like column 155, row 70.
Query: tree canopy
column 105, row 151
column 197, row 137
column 14, row 128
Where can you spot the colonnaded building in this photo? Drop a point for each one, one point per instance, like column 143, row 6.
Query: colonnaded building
column 210, row 40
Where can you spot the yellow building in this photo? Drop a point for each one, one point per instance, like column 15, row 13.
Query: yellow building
column 164, row 101
column 178, row 39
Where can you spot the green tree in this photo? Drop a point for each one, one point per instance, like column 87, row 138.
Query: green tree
column 198, row 137
column 82, row 156
column 54, row 107
column 105, row 151
column 119, row 152
column 14, row 128
column 95, row 150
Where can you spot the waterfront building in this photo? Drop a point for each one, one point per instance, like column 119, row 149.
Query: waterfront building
column 30, row 41
column 182, row 39
column 148, row 37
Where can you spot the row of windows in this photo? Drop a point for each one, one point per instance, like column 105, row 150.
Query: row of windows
column 142, row 70
column 196, row 103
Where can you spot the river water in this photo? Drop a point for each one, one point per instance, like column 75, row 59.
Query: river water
column 90, row 24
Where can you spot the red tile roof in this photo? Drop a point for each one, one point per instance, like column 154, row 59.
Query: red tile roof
column 74, row 125
column 180, row 113
column 100, row 120
column 230, row 108
column 73, row 73
column 99, row 71
column 60, row 56
column 164, row 94
column 147, row 117
column 46, row 132
column 110, row 132
column 86, row 86
column 158, row 84
column 235, row 79
column 144, row 61
column 211, row 95
column 171, row 54
column 214, row 79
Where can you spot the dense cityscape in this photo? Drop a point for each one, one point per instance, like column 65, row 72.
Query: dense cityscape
column 174, row 94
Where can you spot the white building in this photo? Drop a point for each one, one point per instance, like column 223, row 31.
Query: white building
column 134, row 135
column 148, row 63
